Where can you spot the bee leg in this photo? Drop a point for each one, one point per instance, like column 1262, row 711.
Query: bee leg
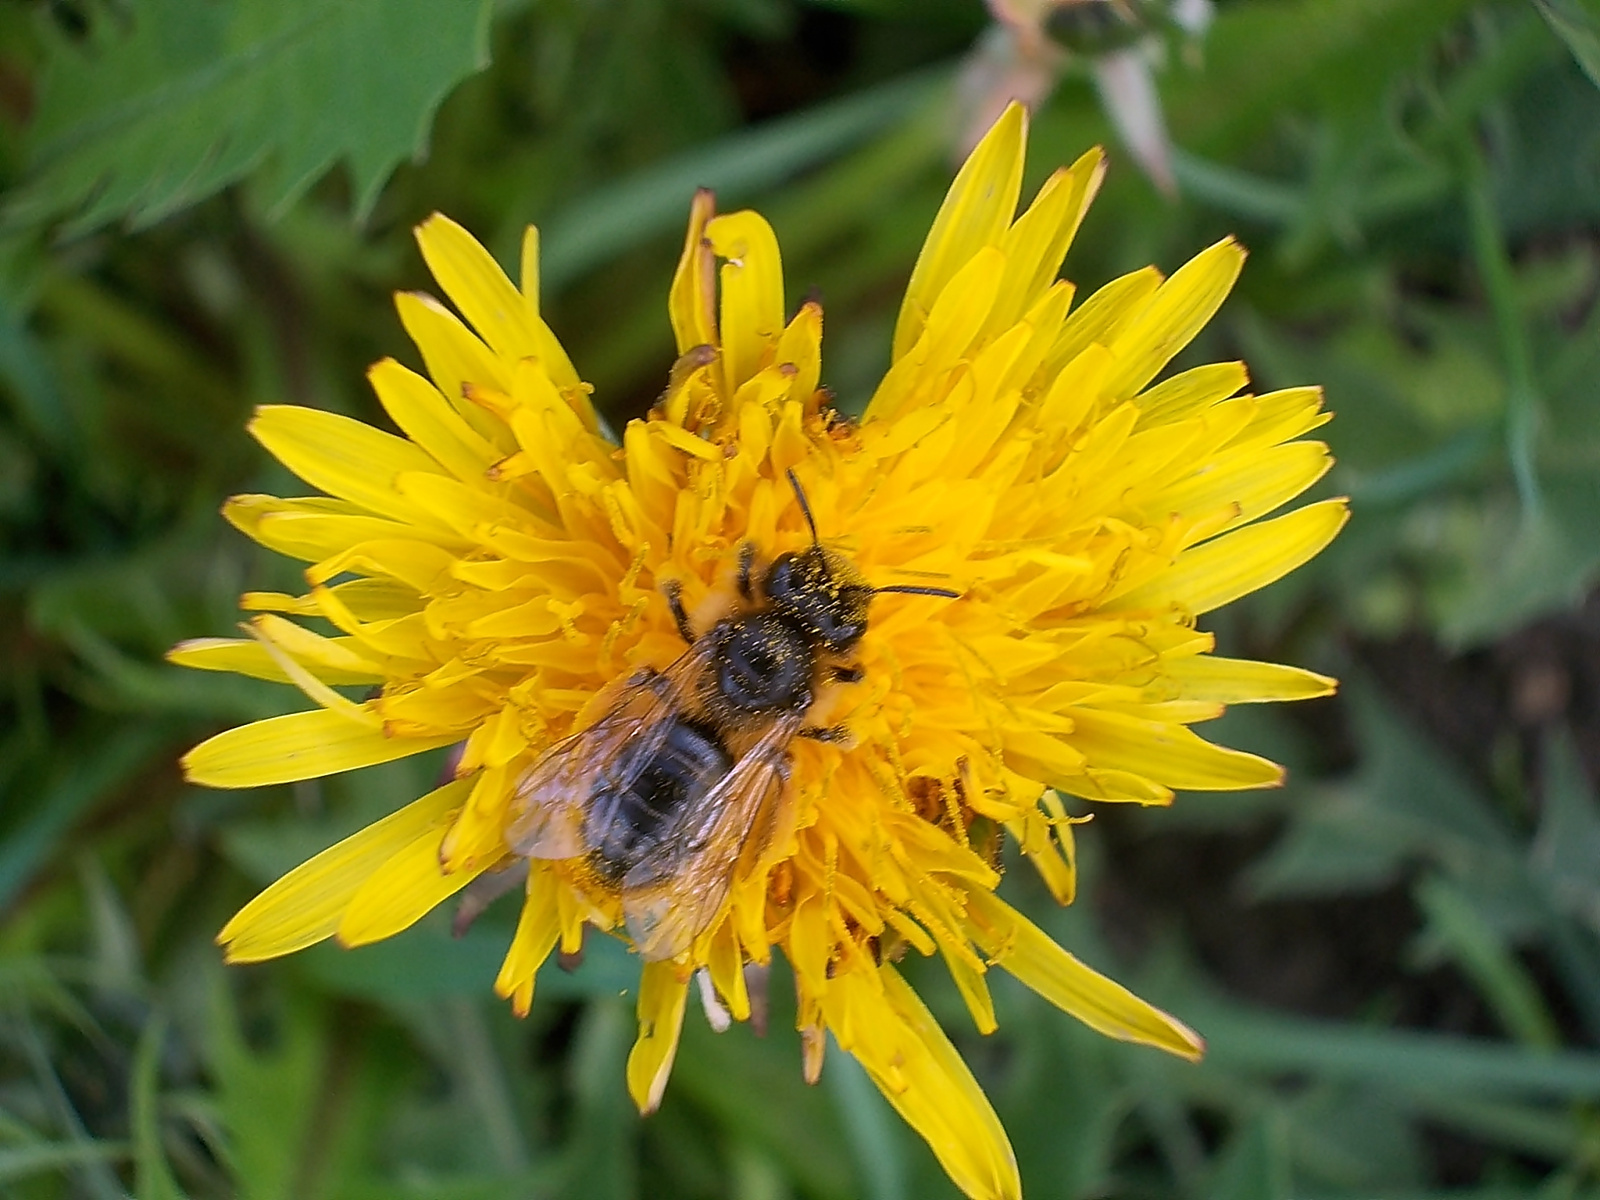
column 673, row 591
column 844, row 674
column 755, row 986
column 747, row 558
column 484, row 891
column 827, row 733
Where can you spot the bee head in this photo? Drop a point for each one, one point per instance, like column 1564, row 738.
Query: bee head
column 820, row 591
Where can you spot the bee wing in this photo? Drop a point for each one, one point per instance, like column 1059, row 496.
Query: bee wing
column 670, row 897
column 551, row 800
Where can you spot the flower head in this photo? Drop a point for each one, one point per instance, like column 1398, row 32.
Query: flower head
column 513, row 569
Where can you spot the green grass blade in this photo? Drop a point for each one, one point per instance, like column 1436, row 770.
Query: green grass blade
column 623, row 215
column 83, row 784
column 870, row 1126
column 153, row 1177
column 1252, row 1040
column 1577, row 23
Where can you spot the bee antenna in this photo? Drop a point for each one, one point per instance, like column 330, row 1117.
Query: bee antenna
column 913, row 590
column 805, row 507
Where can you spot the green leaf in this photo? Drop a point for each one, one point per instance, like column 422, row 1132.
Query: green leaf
column 718, row 1075
column 1480, row 951
column 195, row 97
column 1547, row 563
column 1577, row 23
column 1567, row 846
column 267, row 1097
column 1255, row 1163
column 1408, row 799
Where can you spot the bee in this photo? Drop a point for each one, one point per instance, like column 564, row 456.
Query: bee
column 680, row 785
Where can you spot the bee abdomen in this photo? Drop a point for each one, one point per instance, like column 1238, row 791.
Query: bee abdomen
column 626, row 823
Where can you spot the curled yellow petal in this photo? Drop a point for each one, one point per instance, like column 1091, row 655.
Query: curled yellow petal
column 752, row 291
column 662, row 997
column 691, row 303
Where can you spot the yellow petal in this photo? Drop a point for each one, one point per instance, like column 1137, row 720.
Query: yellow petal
column 1172, row 755
column 314, row 528
column 344, row 457
column 1189, row 391
column 369, row 599
column 529, row 275
column 974, row 989
column 932, row 1088
column 1244, row 681
column 306, row 905
column 244, row 656
column 662, row 995
column 1251, row 482
column 1284, row 415
column 692, row 301
column 1220, row 571
column 975, row 213
column 1099, row 318
column 1107, row 1007
column 262, row 630
column 477, row 286
column 948, row 333
column 800, row 347
column 537, row 930
column 752, row 291
column 1177, row 312
column 1036, row 244
column 1115, row 787
column 303, row 745
column 406, row 887
column 455, row 357
column 725, row 961
column 424, row 416
column 419, row 565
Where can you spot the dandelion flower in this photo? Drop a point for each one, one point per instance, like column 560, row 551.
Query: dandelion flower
column 503, row 563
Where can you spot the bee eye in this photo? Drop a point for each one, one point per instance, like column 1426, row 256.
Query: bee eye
column 779, row 582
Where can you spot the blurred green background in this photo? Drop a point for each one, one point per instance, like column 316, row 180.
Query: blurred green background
column 1396, row 958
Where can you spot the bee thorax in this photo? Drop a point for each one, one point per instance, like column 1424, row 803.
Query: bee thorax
column 763, row 663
